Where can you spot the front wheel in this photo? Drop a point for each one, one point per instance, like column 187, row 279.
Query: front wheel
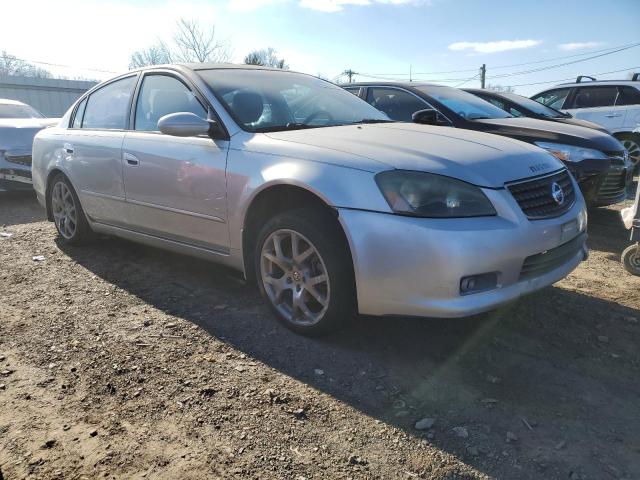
column 631, row 259
column 304, row 271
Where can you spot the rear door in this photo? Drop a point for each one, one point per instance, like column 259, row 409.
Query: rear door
column 175, row 187
column 598, row 104
column 93, row 150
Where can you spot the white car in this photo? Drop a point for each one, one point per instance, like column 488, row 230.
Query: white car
column 19, row 123
column 614, row 104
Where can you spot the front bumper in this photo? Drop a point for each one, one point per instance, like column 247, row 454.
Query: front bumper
column 414, row 266
column 15, row 171
column 602, row 186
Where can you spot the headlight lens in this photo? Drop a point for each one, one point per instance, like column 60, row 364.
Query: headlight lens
column 428, row 195
column 570, row 153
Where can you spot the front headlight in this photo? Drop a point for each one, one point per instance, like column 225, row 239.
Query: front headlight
column 570, row 153
column 429, row 195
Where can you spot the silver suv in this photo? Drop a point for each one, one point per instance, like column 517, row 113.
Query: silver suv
column 613, row 104
column 309, row 190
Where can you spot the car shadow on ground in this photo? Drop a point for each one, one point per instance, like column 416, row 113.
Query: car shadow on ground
column 607, row 232
column 19, row 208
column 527, row 368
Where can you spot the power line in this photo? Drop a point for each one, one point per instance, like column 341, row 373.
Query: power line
column 549, row 67
column 571, row 78
column 64, row 66
column 609, row 50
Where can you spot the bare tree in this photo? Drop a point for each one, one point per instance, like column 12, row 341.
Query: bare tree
column 500, row 88
column 11, row 65
column 267, row 58
column 153, row 55
column 191, row 42
column 195, row 43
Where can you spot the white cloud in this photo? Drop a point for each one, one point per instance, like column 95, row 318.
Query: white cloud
column 569, row 47
column 319, row 5
column 248, row 5
column 493, row 47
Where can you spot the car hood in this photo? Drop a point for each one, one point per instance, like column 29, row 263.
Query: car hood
column 18, row 133
column 477, row 158
column 583, row 123
column 534, row 130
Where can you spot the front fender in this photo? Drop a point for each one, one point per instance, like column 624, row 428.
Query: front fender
column 250, row 173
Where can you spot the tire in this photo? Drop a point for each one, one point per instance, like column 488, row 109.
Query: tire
column 632, row 143
column 68, row 216
column 295, row 286
column 631, row 259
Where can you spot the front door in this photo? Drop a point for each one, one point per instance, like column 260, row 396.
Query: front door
column 597, row 104
column 175, row 187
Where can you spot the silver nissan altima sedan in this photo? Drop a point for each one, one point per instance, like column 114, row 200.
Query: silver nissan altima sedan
column 332, row 208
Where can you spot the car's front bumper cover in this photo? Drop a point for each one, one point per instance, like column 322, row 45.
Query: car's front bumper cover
column 15, row 170
column 414, row 266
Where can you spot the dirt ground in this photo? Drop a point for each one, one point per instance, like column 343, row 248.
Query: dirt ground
column 121, row 361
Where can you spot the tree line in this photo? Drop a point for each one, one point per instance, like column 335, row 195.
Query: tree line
column 195, row 43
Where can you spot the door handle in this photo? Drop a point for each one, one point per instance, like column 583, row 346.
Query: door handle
column 68, row 148
column 131, row 159
column 613, row 115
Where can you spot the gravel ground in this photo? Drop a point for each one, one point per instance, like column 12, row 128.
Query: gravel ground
column 121, row 361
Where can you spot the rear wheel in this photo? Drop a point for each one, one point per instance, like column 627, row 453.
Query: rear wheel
column 631, row 259
column 67, row 212
column 304, row 271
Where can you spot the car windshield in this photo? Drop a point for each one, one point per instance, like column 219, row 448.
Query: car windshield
column 16, row 110
column 463, row 103
column 534, row 106
column 271, row 101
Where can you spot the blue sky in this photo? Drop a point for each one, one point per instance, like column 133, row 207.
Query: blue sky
column 325, row 37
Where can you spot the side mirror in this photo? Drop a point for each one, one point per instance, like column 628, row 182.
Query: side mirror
column 186, row 124
column 428, row 116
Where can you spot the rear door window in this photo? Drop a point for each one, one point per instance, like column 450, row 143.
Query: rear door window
column 108, row 107
column 161, row 95
column 553, row 98
column 397, row 104
column 628, row 96
column 590, row 97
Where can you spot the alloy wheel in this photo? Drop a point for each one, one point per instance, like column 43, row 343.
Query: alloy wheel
column 64, row 210
column 295, row 277
column 634, row 150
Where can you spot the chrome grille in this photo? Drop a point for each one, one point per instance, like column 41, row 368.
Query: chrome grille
column 535, row 195
column 541, row 263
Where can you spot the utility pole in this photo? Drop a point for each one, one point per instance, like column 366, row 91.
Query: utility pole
column 483, row 74
column 410, row 66
column 350, row 73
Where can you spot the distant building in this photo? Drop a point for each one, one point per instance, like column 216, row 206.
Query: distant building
column 50, row 96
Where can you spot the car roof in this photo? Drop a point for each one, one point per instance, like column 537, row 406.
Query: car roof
column 6, row 101
column 207, row 66
column 391, row 84
column 630, row 83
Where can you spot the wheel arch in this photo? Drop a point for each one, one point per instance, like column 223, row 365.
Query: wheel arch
column 278, row 198
column 50, row 176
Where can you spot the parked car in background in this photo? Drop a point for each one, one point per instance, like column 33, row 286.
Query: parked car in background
column 520, row 106
column 596, row 159
column 19, row 123
column 312, row 192
column 614, row 104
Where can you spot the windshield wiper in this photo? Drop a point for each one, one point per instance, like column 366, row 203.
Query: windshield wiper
column 371, row 120
column 288, row 126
